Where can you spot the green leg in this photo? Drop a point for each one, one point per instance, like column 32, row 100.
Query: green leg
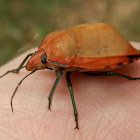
column 72, row 98
column 111, row 74
column 20, row 66
column 59, row 74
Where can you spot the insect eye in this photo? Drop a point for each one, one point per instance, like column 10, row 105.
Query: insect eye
column 43, row 58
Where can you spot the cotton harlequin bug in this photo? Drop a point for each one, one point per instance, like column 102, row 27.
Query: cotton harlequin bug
column 93, row 49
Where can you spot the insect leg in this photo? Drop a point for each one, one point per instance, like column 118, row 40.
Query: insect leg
column 59, row 74
column 18, row 87
column 109, row 73
column 69, row 84
column 20, row 66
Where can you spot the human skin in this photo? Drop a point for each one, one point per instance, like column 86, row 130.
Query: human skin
column 108, row 107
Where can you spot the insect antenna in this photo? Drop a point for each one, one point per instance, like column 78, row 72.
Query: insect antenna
column 18, row 87
column 12, row 71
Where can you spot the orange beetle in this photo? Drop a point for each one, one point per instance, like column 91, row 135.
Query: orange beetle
column 93, row 49
column 85, row 47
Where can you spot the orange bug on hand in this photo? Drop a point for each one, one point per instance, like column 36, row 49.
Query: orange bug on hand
column 93, row 49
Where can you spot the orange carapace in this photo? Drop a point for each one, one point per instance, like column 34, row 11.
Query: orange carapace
column 85, row 47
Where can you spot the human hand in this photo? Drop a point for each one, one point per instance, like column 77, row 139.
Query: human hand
column 108, row 107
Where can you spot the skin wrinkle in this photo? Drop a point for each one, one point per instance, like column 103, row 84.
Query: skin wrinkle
column 136, row 125
column 68, row 126
column 131, row 117
column 109, row 132
column 124, row 125
column 97, row 128
column 99, row 121
column 78, row 136
column 26, row 108
column 126, row 136
column 110, row 123
column 130, row 135
column 127, row 104
column 137, row 97
column 8, row 133
column 138, row 132
column 98, row 133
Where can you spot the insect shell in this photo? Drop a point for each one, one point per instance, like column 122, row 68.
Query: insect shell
column 85, row 47
column 96, row 48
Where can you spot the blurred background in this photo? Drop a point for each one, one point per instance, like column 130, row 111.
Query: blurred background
column 23, row 23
